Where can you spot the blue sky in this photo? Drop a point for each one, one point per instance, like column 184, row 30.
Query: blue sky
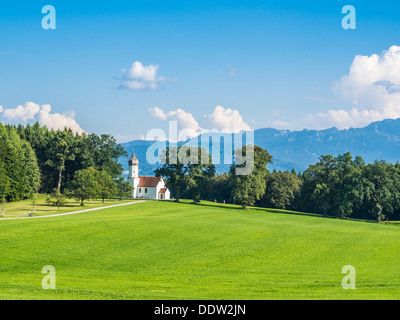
column 273, row 63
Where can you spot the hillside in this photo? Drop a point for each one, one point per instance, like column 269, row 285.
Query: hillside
column 166, row 250
column 299, row 149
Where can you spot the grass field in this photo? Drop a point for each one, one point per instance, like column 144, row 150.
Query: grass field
column 165, row 250
column 41, row 208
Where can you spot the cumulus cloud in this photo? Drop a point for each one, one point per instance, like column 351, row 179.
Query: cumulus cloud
column 372, row 86
column 140, row 77
column 158, row 113
column 140, row 72
column 22, row 112
column 226, row 119
column 185, row 120
column 42, row 114
column 58, row 121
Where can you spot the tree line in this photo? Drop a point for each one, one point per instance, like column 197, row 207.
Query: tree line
column 340, row 186
column 35, row 159
column 63, row 164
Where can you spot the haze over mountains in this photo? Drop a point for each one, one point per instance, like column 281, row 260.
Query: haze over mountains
column 299, row 149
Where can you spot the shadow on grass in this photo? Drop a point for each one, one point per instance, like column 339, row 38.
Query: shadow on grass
column 278, row 211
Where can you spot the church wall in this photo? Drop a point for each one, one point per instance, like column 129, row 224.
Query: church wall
column 151, row 192
column 167, row 195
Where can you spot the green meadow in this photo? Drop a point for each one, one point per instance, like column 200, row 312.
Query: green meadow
column 168, row 250
column 20, row 209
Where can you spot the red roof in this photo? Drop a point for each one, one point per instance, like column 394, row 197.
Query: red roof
column 151, row 182
column 163, row 190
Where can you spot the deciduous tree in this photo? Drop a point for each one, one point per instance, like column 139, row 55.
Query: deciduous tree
column 250, row 187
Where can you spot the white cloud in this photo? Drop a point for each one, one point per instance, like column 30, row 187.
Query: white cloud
column 372, row 86
column 22, row 113
column 343, row 119
column 58, row 121
column 226, row 119
column 187, row 125
column 139, row 77
column 185, row 119
column 140, row 72
column 158, row 113
column 139, row 85
column 1, row 109
column 42, row 114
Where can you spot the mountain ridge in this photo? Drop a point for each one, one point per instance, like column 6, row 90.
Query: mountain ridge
column 379, row 140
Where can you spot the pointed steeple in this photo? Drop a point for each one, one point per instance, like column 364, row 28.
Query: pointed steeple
column 133, row 161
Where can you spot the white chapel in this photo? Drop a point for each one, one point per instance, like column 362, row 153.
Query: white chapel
column 149, row 187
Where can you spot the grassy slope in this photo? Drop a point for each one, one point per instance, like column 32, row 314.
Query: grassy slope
column 21, row 208
column 164, row 250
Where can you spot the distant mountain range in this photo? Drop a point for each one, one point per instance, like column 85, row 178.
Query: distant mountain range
column 299, row 149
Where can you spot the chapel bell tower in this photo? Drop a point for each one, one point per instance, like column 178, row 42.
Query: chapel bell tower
column 133, row 167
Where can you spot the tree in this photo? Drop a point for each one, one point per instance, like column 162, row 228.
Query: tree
column 282, row 190
column 31, row 170
column 57, row 199
column 382, row 189
column 62, row 153
column 106, row 185
column 349, row 188
column 4, row 186
column 18, row 164
column 61, row 148
column 174, row 170
column 249, row 187
column 218, row 189
column 334, row 185
column 85, row 185
column 319, row 187
column 14, row 164
column 200, row 170
column 124, row 188
column 105, row 153
column 34, row 201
